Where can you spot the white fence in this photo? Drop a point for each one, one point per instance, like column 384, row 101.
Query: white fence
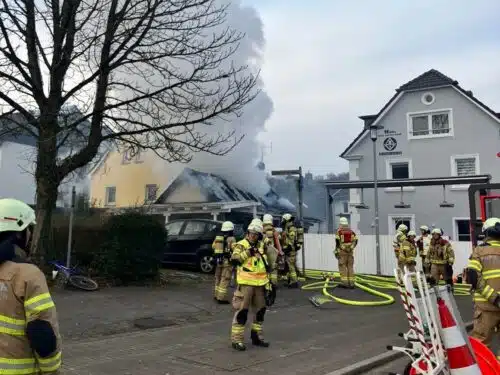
column 319, row 254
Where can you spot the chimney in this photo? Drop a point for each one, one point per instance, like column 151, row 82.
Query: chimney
column 368, row 120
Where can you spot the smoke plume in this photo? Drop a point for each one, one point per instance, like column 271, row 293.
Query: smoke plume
column 238, row 166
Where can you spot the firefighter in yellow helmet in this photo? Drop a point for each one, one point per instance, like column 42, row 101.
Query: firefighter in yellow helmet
column 252, row 279
column 408, row 252
column 423, row 243
column 289, row 246
column 345, row 242
column 274, row 253
column 222, row 248
column 399, row 237
column 30, row 341
column 441, row 258
column 483, row 273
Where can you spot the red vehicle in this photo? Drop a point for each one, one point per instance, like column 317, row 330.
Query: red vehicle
column 484, row 202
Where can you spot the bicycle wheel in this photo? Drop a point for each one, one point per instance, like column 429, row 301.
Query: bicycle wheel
column 83, row 283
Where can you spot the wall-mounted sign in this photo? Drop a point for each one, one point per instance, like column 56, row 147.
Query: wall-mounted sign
column 390, row 143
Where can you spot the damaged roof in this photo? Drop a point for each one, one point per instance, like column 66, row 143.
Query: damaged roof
column 218, row 189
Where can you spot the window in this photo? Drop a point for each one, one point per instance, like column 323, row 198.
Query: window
column 132, row 155
column 432, row 124
column 151, row 192
column 465, row 165
column 396, row 220
column 428, row 98
column 174, row 228
column 462, row 227
column 195, row 227
column 110, row 195
column 398, row 169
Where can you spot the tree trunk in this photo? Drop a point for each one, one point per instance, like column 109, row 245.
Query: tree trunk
column 46, row 197
column 47, row 184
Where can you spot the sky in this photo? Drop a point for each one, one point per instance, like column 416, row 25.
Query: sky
column 323, row 65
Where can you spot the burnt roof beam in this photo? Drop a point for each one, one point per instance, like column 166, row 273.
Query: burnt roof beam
column 414, row 182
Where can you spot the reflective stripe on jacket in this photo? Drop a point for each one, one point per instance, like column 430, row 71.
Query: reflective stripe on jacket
column 408, row 251
column 25, row 298
column 485, row 260
column 252, row 269
column 289, row 237
column 440, row 252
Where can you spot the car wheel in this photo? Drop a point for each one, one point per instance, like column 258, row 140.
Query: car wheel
column 206, row 263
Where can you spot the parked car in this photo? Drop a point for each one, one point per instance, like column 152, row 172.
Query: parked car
column 189, row 242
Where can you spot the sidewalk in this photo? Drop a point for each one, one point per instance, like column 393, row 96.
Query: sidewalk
column 304, row 340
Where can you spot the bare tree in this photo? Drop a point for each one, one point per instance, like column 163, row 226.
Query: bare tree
column 157, row 73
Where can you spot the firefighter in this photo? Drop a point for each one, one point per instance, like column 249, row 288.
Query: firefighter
column 289, row 247
column 274, row 252
column 222, row 247
column 345, row 242
column 440, row 258
column 399, row 237
column 252, row 279
column 31, row 343
column 299, row 242
column 408, row 252
column 483, row 273
column 423, row 243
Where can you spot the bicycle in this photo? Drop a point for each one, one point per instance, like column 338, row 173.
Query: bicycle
column 73, row 277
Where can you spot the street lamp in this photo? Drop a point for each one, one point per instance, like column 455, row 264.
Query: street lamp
column 300, row 185
column 373, row 136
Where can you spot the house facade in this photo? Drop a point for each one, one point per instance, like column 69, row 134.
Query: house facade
column 123, row 180
column 431, row 127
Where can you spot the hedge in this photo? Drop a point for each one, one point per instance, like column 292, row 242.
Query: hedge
column 124, row 248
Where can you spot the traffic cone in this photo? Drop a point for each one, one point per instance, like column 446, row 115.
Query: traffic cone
column 460, row 359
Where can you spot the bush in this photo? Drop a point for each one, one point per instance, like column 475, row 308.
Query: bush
column 131, row 248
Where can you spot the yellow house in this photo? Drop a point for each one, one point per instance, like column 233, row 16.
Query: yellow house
column 125, row 179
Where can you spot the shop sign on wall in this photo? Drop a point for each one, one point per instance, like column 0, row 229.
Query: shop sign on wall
column 390, row 143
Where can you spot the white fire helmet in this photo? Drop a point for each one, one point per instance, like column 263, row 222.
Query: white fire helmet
column 343, row 221
column 257, row 221
column 492, row 225
column 437, row 231
column 287, row 217
column 267, row 219
column 412, row 233
column 402, row 228
column 255, row 227
column 227, row 226
column 15, row 216
column 424, row 227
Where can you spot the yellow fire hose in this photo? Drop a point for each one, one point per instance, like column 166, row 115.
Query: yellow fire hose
column 367, row 283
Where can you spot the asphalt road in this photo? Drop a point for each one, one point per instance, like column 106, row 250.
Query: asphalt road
column 101, row 336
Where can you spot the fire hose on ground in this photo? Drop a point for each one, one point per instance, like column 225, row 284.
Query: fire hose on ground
column 368, row 283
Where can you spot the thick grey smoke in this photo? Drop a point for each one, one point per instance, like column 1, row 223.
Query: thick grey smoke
column 239, row 166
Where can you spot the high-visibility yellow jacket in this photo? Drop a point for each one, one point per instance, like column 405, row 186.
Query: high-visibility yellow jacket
column 252, row 269
column 423, row 244
column 408, row 251
column 485, row 260
column 440, row 252
column 25, row 298
column 398, row 239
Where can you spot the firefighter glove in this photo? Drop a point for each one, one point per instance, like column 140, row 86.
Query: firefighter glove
column 472, row 277
column 336, row 252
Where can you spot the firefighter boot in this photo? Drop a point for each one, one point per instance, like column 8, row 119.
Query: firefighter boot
column 239, row 346
column 257, row 340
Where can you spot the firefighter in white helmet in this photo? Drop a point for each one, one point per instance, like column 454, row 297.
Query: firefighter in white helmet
column 440, row 258
column 483, row 273
column 222, row 248
column 345, row 242
column 290, row 247
column 399, row 237
column 408, row 252
column 423, row 243
column 272, row 241
column 252, row 279
column 31, row 343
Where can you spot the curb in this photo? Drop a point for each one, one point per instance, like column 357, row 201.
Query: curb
column 368, row 364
